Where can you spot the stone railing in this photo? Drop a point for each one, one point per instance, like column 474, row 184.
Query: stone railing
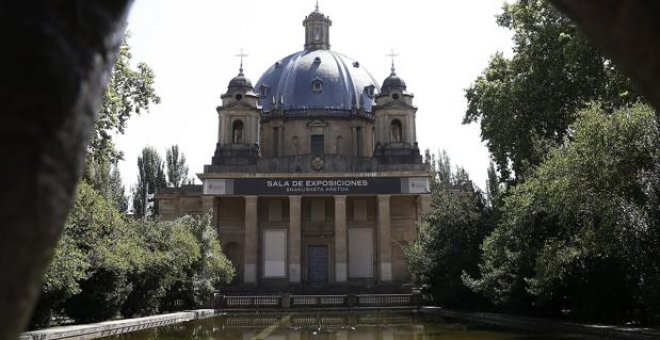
column 317, row 301
column 384, row 300
column 252, row 301
column 115, row 327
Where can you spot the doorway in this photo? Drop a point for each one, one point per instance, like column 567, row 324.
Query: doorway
column 317, row 265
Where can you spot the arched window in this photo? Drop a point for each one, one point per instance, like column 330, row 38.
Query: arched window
column 237, row 132
column 317, row 86
column 396, row 131
column 317, row 144
column 359, row 141
column 294, row 145
column 263, row 91
column 369, row 90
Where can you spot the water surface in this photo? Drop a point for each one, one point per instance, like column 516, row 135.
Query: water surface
column 322, row 325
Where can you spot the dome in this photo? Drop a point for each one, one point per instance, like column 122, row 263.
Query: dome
column 240, row 83
column 316, row 80
column 393, row 83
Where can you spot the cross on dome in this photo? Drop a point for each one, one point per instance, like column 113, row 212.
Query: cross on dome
column 392, row 55
column 241, row 55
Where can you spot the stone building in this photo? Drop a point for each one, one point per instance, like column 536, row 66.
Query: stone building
column 317, row 179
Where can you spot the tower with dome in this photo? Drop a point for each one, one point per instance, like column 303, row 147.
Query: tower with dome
column 317, row 179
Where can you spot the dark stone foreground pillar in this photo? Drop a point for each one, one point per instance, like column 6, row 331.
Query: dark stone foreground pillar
column 628, row 31
column 55, row 60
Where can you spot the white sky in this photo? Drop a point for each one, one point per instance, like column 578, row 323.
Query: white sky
column 191, row 46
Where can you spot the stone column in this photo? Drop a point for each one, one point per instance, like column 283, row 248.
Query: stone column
column 281, row 146
column 294, row 239
column 354, row 141
column 341, row 263
column 425, row 206
column 384, row 243
column 414, row 127
column 247, row 129
column 221, row 130
column 250, row 241
column 207, row 203
column 254, row 130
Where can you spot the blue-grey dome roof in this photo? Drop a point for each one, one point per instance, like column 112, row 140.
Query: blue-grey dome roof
column 317, row 80
column 393, row 83
column 240, row 82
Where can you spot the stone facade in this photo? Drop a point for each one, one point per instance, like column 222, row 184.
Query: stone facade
column 317, row 179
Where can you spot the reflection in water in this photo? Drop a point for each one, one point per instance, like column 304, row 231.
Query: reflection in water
column 331, row 325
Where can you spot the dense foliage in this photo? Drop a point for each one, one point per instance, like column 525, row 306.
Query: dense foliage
column 177, row 170
column 582, row 234
column 105, row 178
column 526, row 103
column 574, row 232
column 449, row 240
column 151, row 177
column 130, row 91
column 107, row 263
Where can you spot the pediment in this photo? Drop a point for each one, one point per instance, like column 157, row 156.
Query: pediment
column 238, row 105
column 317, row 123
column 396, row 104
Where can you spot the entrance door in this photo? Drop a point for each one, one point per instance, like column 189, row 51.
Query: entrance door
column 317, row 265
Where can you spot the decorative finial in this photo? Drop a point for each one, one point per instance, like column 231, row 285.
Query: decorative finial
column 392, row 55
column 241, row 55
column 317, row 6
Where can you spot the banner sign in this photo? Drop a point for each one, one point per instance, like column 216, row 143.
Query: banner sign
column 317, row 186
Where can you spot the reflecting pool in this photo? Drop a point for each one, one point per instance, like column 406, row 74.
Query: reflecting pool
column 362, row 325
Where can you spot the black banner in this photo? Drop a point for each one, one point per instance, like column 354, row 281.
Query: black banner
column 317, row 186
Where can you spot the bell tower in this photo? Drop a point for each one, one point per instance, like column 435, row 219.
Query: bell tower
column 317, row 30
column 238, row 126
column 395, row 127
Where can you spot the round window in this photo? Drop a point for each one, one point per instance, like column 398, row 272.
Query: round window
column 238, row 96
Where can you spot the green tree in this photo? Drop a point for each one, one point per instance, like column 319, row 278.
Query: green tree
column 213, row 267
column 177, row 170
column 95, row 240
column 581, row 234
column 130, row 91
column 87, row 278
column 105, row 178
column 116, row 191
column 151, row 177
column 492, row 183
column 526, row 103
column 112, row 249
column 171, row 249
column 184, row 262
column 68, row 266
column 449, row 238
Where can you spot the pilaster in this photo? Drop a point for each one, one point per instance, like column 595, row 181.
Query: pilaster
column 341, row 263
column 251, row 241
column 384, row 239
column 294, row 239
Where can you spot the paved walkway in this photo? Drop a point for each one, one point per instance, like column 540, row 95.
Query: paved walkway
column 108, row 328
column 549, row 325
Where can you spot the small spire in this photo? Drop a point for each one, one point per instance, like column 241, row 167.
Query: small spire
column 317, row 6
column 241, row 55
column 392, row 55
